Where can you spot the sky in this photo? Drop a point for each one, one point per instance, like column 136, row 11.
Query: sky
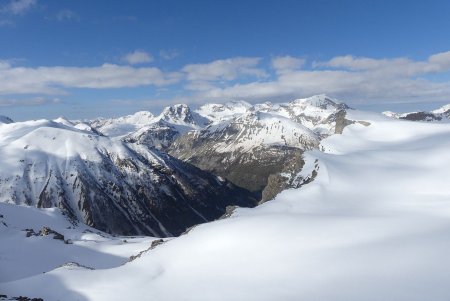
column 89, row 58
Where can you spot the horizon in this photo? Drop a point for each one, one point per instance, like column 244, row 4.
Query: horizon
column 110, row 59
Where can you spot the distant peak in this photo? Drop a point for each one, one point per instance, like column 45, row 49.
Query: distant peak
column 241, row 103
column 63, row 120
column 143, row 113
column 177, row 110
column 442, row 110
column 322, row 101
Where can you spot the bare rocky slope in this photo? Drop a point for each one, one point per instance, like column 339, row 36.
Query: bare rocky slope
column 260, row 147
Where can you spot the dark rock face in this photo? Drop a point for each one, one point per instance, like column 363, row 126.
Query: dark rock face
column 144, row 192
column 6, row 120
column 265, row 169
column 242, row 159
column 248, row 170
column 281, row 179
column 159, row 200
column 158, row 135
column 421, row 116
column 341, row 121
column 44, row 232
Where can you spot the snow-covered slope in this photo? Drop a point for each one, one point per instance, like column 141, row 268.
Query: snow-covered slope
column 247, row 131
column 117, row 127
column 221, row 112
column 106, row 183
column 442, row 114
column 372, row 225
column 27, row 249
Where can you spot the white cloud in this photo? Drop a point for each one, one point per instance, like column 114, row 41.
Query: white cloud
column 439, row 62
column 350, row 78
column 346, row 77
column 67, row 15
column 138, row 57
column 18, row 7
column 286, row 63
column 228, row 69
column 53, row 80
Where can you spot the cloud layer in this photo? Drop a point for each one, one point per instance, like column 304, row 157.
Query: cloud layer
column 250, row 78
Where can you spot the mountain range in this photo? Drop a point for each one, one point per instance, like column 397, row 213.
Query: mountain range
column 161, row 174
column 441, row 114
column 369, row 218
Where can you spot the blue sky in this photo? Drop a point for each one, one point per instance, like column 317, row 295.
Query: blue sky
column 83, row 59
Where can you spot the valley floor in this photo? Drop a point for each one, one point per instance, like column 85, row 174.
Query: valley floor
column 373, row 225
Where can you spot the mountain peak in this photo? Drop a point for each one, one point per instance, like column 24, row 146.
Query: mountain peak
column 180, row 112
column 321, row 101
column 63, row 120
column 443, row 110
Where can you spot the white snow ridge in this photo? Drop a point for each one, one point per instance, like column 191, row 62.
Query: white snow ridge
column 371, row 223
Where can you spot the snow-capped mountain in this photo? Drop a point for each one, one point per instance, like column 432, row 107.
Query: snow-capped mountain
column 4, row 119
column 220, row 112
column 441, row 114
column 260, row 147
column 117, row 127
column 166, row 127
column 159, row 135
column 247, row 149
column 182, row 116
column 320, row 113
column 112, row 186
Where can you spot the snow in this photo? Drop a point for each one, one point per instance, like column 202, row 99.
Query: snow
column 22, row 256
column 255, row 129
column 373, row 225
column 35, row 152
column 177, row 118
column 442, row 110
column 118, row 127
column 221, row 112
